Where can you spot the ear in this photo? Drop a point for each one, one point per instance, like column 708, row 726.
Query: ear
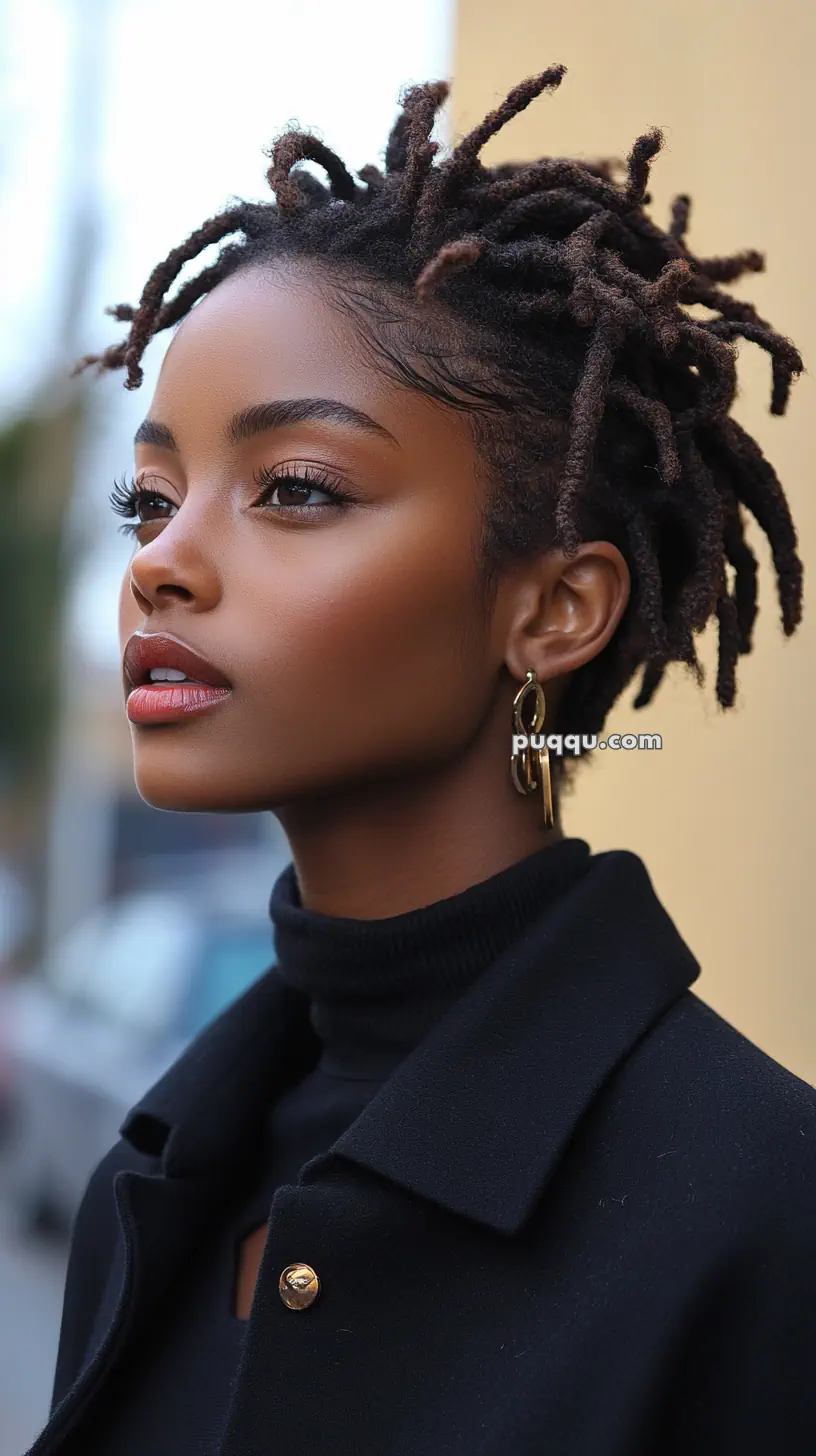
column 564, row 609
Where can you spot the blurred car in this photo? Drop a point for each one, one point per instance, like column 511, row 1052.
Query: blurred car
column 118, row 1001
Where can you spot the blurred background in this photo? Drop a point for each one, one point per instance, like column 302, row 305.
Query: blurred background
column 125, row 123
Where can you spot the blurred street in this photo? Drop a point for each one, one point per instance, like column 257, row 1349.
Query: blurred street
column 32, row 1273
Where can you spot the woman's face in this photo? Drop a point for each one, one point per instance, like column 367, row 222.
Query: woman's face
column 353, row 634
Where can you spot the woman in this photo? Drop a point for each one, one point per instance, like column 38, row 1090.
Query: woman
column 438, row 461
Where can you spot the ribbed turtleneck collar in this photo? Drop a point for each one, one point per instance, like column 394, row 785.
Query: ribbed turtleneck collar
column 377, row 986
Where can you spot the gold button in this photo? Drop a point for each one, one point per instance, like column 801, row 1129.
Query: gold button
column 298, row 1286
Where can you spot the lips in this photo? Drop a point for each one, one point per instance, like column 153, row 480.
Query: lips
column 145, row 650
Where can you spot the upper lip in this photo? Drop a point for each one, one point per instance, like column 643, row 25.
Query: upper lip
column 160, row 649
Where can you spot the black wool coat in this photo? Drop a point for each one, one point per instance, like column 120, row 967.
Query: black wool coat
column 577, row 1220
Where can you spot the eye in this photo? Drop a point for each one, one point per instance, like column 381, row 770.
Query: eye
column 296, row 490
column 134, row 500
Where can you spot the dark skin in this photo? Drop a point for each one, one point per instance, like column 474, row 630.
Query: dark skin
column 372, row 676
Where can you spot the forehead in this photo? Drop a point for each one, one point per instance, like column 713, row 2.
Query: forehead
column 273, row 333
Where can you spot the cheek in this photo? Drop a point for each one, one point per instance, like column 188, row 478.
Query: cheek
column 372, row 641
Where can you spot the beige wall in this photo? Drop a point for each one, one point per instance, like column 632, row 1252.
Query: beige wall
column 724, row 815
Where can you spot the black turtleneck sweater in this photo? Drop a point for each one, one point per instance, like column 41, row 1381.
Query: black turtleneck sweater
column 376, row 987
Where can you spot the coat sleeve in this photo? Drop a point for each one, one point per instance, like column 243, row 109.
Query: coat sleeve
column 91, row 1254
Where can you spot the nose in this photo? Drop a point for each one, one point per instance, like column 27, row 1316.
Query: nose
column 175, row 566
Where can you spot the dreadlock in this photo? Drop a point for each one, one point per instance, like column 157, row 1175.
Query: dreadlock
column 541, row 299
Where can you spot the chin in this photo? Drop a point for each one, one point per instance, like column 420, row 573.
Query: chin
column 169, row 776
column 183, row 799
column 192, row 788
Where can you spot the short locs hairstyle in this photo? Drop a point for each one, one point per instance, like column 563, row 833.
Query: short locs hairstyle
column 542, row 300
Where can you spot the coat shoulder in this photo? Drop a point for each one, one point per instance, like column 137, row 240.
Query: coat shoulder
column 737, row 1116
column 728, row 1065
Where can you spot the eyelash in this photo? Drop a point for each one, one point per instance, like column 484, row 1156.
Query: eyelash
column 125, row 497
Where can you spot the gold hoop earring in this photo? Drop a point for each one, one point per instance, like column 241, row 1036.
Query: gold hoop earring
column 530, row 766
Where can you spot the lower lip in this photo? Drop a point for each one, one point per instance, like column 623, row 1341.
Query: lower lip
column 169, row 702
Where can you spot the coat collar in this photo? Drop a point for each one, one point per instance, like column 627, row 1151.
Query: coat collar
column 478, row 1115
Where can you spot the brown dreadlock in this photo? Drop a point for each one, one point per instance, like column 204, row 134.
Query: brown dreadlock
column 544, row 301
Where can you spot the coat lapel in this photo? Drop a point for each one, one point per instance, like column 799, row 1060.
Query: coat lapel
column 202, row 1122
column 159, row 1219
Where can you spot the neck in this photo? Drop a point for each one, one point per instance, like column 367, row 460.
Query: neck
column 378, row 850
column 377, row 986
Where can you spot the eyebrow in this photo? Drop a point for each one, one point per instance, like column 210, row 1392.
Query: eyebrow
column 272, row 415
